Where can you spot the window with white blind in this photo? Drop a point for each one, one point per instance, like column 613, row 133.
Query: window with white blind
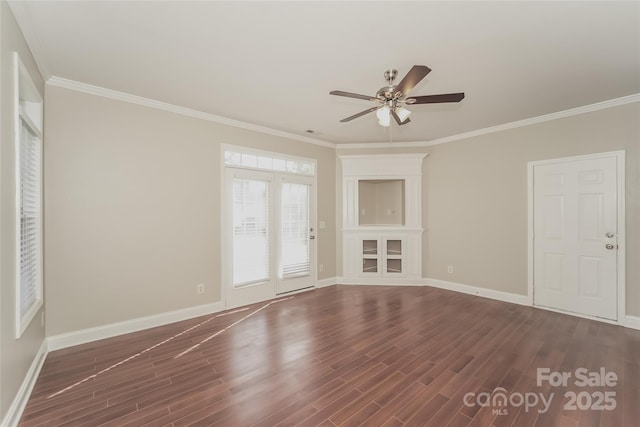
column 295, row 229
column 268, row 224
column 28, row 151
column 250, row 231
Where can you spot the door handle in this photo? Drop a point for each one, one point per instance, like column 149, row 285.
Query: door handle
column 610, row 246
column 312, row 237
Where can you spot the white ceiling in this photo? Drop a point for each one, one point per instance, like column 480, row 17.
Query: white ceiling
column 273, row 64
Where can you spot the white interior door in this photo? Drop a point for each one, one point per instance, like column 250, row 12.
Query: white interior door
column 269, row 235
column 575, row 236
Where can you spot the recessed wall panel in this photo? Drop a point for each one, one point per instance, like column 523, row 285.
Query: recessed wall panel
column 590, row 177
column 553, row 216
column 589, row 278
column 590, row 216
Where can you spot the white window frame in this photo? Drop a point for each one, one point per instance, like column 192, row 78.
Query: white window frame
column 226, row 275
column 292, row 165
column 28, row 110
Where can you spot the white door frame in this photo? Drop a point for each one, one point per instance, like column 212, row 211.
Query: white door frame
column 226, row 258
column 621, row 258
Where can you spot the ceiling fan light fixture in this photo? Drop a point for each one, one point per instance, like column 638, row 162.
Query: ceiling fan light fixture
column 403, row 113
column 384, row 116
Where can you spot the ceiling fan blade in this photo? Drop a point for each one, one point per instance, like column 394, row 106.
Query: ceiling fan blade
column 413, row 77
column 435, row 99
column 397, row 118
column 361, row 113
column 353, row 95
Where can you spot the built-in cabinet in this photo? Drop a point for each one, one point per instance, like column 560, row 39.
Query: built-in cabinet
column 382, row 256
column 382, row 218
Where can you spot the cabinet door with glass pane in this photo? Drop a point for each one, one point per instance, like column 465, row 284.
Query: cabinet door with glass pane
column 371, row 265
column 394, row 256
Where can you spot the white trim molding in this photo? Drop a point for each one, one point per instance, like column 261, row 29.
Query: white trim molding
column 479, row 291
column 632, row 322
column 616, row 102
column 379, row 281
column 83, row 336
column 152, row 103
column 14, row 413
column 147, row 102
column 329, row 281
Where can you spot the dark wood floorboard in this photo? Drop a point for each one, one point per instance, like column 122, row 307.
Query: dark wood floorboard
column 342, row 356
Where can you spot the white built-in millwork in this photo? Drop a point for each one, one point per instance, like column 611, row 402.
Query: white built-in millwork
column 382, row 218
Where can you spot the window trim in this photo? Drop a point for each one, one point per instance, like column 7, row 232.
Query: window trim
column 29, row 112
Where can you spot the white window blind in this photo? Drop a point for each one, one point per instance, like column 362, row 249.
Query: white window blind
column 295, row 229
column 29, row 187
column 250, row 231
column 28, row 163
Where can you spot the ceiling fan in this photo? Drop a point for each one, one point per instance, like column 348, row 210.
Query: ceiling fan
column 392, row 98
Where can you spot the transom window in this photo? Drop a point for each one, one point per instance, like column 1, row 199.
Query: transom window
column 268, row 162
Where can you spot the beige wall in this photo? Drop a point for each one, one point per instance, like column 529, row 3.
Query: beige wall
column 475, row 196
column 16, row 355
column 133, row 206
column 390, row 202
column 381, row 202
column 367, row 213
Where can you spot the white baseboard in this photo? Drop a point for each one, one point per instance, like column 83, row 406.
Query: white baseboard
column 83, row 336
column 632, row 322
column 442, row 284
column 13, row 415
column 478, row 291
column 379, row 281
column 329, row 281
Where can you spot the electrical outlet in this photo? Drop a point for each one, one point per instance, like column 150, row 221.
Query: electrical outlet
column 200, row 288
column 321, row 267
column 450, row 269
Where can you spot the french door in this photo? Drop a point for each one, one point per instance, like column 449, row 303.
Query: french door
column 269, row 235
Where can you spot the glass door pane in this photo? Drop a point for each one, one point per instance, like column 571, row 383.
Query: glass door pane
column 250, row 231
column 295, row 228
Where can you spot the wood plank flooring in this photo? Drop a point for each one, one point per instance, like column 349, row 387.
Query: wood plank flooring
column 344, row 356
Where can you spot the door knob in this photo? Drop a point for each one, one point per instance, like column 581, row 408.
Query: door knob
column 610, row 235
column 312, row 237
column 609, row 246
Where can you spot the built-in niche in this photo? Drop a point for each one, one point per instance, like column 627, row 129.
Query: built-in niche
column 381, row 202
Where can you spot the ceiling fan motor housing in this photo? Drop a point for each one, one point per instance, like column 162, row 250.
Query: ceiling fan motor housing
column 386, row 92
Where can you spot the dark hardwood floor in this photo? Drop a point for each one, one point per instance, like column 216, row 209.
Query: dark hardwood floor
column 346, row 355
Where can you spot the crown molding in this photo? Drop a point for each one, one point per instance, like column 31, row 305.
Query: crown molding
column 152, row 103
column 616, row 102
column 21, row 13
